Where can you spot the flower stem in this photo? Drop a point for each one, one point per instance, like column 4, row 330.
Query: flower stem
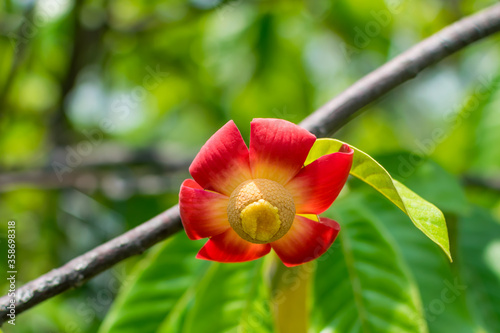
column 290, row 296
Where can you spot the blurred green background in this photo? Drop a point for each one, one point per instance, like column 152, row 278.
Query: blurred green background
column 103, row 104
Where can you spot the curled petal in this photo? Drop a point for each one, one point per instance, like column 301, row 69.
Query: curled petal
column 317, row 185
column 203, row 213
column 223, row 162
column 278, row 149
column 306, row 240
column 229, row 247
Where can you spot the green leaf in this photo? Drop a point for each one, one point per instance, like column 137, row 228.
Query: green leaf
column 172, row 291
column 417, row 173
column 361, row 283
column 479, row 248
column 445, row 307
column 426, row 217
column 161, row 284
column 228, row 299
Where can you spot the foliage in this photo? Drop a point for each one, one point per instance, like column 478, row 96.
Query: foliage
column 380, row 275
column 423, row 214
column 122, row 94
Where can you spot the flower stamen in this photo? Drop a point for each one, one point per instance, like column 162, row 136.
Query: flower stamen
column 261, row 211
column 260, row 220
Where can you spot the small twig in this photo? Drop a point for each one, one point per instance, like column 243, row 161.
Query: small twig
column 90, row 174
column 134, row 180
column 104, row 159
column 326, row 120
column 489, row 183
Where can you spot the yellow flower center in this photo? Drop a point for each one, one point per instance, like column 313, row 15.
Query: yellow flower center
column 261, row 211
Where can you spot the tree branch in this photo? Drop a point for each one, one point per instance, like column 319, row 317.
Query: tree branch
column 340, row 110
column 489, row 183
column 324, row 121
column 80, row 269
column 98, row 165
column 138, row 180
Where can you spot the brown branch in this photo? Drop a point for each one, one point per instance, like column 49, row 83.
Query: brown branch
column 105, row 158
column 80, row 269
column 139, row 180
column 340, row 110
column 327, row 119
column 490, row 183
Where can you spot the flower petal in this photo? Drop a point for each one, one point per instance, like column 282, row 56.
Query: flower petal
column 222, row 163
column 229, row 247
column 317, row 185
column 203, row 213
column 278, row 149
column 306, row 240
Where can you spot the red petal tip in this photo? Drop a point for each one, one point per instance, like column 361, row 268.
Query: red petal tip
column 345, row 149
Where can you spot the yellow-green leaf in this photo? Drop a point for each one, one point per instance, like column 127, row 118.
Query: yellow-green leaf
column 426, row 217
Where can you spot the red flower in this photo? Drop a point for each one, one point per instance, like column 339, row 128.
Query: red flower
column 248, row 201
